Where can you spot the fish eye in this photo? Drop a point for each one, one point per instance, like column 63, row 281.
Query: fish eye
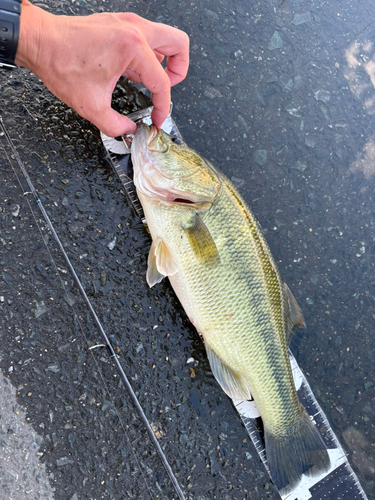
column 176, row 140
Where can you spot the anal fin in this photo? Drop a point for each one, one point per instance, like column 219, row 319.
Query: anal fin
column 231, row 382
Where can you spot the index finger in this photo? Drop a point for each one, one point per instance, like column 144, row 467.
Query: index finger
column 174, row 44
column 152, row 75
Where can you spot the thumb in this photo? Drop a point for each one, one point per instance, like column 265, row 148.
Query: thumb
column 114, row 124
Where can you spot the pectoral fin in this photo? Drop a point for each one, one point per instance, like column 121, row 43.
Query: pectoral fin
column 201, row 241
column 160, row 263
column 153, row 276
column 231, row 382
column 293, row 314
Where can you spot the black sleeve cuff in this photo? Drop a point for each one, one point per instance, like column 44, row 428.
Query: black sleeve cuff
column 10, row 12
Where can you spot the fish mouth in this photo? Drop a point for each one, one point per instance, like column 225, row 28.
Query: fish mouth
column 152, row 133
column 184, row 201
column 146, row 134
column 143, row 135
column 152, row 180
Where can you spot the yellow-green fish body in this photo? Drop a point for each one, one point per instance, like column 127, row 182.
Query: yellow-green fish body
column 207, row 241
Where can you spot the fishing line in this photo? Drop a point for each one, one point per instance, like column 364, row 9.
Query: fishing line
column 93, row 314
column 365, row 28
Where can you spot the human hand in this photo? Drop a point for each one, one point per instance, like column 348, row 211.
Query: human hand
column 80, row 60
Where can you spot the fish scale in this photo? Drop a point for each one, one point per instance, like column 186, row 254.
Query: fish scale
column 206, row 293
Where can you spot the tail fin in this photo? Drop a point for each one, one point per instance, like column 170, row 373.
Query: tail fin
column 298, row 450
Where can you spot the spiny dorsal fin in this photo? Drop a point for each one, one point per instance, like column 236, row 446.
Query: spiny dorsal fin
column 231, row 382
column 201, row 241
column 160, row 263
column 293, row 314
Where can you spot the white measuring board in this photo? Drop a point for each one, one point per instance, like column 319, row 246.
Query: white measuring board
column 339, row 482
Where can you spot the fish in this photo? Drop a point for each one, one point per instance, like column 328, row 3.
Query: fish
column 208, row 242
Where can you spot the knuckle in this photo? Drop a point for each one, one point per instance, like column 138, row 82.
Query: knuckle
column 129, row 29
column 131, row 18
column 133, row 37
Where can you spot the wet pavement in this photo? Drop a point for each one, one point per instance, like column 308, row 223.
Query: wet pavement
column 280, row 96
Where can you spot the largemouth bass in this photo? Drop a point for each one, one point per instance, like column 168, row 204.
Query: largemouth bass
column 208, row 243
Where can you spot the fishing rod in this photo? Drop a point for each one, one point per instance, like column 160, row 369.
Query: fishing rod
column 95, row 317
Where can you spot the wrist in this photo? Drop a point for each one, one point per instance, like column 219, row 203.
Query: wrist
column 33, row 26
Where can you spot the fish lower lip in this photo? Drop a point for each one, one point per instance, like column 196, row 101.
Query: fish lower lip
column 128, row 139
column 153, row 131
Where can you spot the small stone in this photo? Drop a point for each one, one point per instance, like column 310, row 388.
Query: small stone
column 53, row 368
column 315, row 279
column 310, row 141
column 106, row 405
column 111, row 244
column 276, row 42
column 260, row 157
column 322, row 95
column 321, row 154
column 259, row 98
column 300, row 166
column 289, row 85
column 294, row 112
column 348, row 396
column 325, row 112
column 8, row 92
column 237, row 181
column 211, row 93
column 40, row 309
column 63, row 461
column 305, row 17
column 69, row 299
column 191, row 373
column 15, row 210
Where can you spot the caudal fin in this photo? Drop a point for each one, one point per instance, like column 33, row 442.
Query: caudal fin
column 297, row 450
